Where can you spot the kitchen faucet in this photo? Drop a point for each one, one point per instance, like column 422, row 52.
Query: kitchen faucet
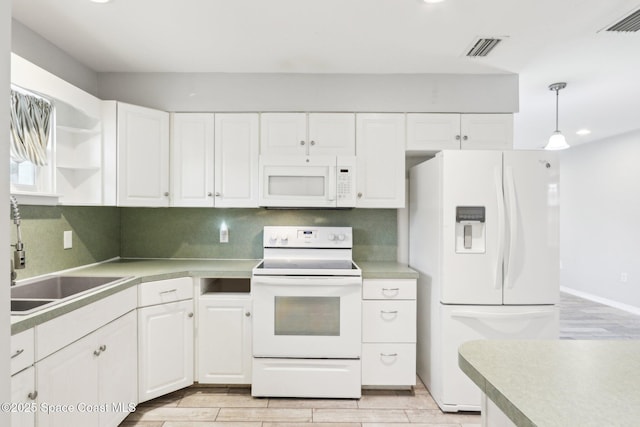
column 19, row 260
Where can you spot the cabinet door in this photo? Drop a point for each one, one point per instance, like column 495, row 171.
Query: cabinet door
column 69, row 377
column 118, row 369
column 332, row 134
column 23, row 392
column 192, row 159
column 143, row 156
column 380, row 171
column 283, row 133
column 487, row 131
column 165, row 350
column 236, row 153
column 433, row 132
column 224, row 340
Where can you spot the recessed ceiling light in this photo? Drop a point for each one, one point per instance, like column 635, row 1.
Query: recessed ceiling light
column 100, row 1
column 583, row 132
column 433, row 1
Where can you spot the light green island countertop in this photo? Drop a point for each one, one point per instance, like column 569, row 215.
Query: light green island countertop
column 147, row 270
column 559, row 383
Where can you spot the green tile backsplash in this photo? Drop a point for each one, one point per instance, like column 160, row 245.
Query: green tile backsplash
column 194, row 232
column 101, row 233
column 96, row 237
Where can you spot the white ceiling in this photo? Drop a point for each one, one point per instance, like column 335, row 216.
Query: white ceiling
column 546, row 41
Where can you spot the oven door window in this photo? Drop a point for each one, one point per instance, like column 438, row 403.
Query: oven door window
column 310, row 316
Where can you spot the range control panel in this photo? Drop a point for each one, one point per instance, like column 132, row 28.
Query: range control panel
column 307, row 237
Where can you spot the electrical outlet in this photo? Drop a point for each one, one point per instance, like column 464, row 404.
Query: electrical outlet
column 224, row 233
column 67, row 239
column 624, row 277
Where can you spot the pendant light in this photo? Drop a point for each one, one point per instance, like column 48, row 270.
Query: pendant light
column 557, row 140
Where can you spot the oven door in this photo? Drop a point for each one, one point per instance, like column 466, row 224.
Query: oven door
column 307, row 317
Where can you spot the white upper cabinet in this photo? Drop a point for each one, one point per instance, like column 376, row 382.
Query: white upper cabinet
column 380, row 162
column 143, row 156
column 307, row 134
column 433, row 132
column 428, row 132
column 192, row 159
column 486, row 131
column 332, row 134
column 236, row 160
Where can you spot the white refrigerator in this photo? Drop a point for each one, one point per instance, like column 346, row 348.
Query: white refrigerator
column 484, row 239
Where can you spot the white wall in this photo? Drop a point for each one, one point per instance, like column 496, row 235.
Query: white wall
column 5, row 49
column 314, row 92
column 600, row 220
column 44, row 54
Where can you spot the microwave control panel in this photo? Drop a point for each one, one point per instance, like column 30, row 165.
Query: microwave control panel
column 346, row 182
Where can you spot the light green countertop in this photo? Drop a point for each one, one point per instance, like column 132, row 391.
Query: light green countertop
column 148, row 270
column 558, row 383
column 386, row 270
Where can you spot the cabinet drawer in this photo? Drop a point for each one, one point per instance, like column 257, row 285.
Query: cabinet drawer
column 388, row 364
column 61, row 331
column 389, row 321
column 389, row 289
column 22, row 350
column 164, row 291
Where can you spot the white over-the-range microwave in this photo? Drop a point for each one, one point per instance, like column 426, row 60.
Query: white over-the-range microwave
column 307, row 181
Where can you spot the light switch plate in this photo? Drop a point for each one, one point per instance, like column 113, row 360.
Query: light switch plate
column 68, row 239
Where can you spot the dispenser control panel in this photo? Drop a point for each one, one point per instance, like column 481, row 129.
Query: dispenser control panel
column 470, row 233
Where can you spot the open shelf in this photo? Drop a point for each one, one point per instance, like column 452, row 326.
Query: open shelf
column 225, row 285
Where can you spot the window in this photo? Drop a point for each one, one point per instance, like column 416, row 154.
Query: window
column 32, row 143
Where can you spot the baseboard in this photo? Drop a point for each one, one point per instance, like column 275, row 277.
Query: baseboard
column 611, row 303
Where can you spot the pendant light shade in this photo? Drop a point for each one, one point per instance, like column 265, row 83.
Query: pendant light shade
column 557, row 140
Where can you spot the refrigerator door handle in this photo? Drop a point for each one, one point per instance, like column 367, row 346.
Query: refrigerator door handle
column 513, row 225
column 501, row 225
column 506, row 316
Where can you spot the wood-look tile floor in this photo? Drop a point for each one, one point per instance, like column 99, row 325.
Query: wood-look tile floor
column 200, row 406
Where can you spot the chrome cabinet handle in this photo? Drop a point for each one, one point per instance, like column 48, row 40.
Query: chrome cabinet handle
column 33, row 395
column 17, row 353
column 99, row 350
column 247, row 314
column 209, row 194
column 166, row 194
column 389, row 312
column 168, row 292
column 390, row 292
column 218, row 194
column 190, row 315
column 388, row 354
column 464, row 138
column 359, row 195
column 313, row 143
column 301, row 142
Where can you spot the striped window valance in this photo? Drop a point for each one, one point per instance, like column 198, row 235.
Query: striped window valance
column 30, row 128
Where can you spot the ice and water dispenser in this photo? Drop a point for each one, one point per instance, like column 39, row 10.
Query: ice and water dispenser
column 470, row 229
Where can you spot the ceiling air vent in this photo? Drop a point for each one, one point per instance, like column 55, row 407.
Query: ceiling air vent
column 628, row 24
column 482, row 47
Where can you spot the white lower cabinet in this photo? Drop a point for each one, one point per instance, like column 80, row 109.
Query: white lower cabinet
column 90, row 382
column 165, row 332
column 23, row 395
column 388, row 332
column 224, row 339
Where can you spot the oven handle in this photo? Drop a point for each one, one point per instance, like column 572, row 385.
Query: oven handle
column 306, row 281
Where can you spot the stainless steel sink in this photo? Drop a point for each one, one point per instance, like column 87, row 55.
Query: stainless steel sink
column 26, row 306
column 29, row 297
